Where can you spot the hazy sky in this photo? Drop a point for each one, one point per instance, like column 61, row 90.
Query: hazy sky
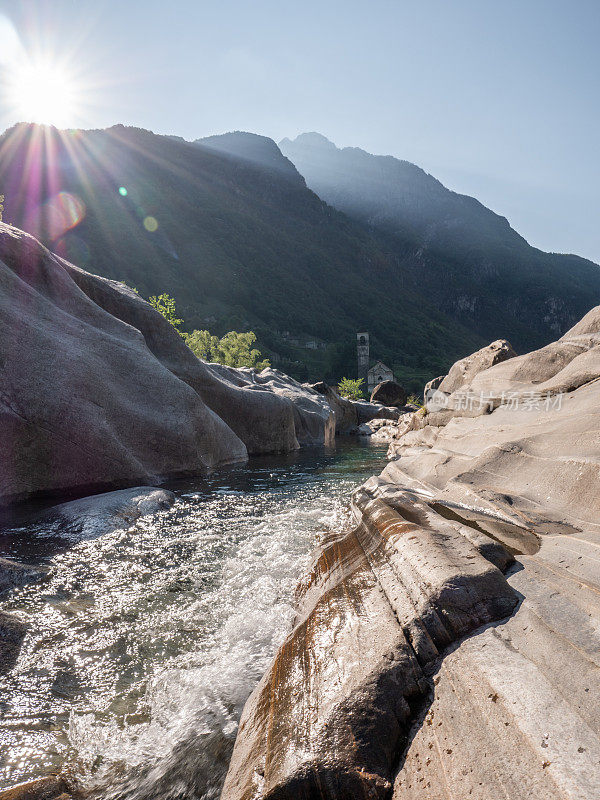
column 496, row 98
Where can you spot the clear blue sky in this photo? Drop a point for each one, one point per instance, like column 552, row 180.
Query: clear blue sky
column 496, row 98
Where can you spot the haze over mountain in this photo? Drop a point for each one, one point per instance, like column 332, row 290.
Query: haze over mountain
column 462, row 256
column 238, row 240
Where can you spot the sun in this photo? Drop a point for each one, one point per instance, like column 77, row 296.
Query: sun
column 42, row 92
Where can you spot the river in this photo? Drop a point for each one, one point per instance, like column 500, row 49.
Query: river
column 144, row 643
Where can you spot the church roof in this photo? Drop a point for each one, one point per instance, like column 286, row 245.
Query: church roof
column 379, row 365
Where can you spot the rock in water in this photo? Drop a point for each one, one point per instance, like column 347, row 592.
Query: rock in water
column 389, row 393
column 418, row 589
column 345, row 413
column 90, row 517
column 12, row 633
column 53, row 787
column 314, row 416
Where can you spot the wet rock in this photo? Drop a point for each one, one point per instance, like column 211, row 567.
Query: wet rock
column 381, row 603
column 12, row 633
column 50, row 788
column 14, row 573
column 98, row 514
column 389, row 393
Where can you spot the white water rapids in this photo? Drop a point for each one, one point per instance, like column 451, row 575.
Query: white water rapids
column 144, row 643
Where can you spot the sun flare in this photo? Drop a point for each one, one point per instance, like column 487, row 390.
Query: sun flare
column 43, row 93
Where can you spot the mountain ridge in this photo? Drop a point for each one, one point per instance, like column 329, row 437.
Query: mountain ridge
column 467, row 259
column 238, row 246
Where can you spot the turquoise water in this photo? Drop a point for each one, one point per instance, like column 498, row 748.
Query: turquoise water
column 144, row 644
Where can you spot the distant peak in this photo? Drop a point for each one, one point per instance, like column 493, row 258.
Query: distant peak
column 251, row 147
column 313, row 139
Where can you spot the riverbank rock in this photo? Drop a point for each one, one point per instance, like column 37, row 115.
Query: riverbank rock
column 344, row 411
column 449, row 645
column 389, row 393
column 314, row 418
column 53, row 787
column 99, row 391
column 379, row 605
column 367, row 411
column 463, row 371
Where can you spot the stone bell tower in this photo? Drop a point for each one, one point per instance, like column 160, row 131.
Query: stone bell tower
column 362, row 351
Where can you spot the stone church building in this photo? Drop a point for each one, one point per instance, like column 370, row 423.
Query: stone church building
column 379, row 372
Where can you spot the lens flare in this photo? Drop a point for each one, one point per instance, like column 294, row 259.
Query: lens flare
column 150, row 224
column 56, row 216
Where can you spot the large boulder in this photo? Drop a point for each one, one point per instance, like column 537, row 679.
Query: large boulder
column 389, row 393
column 463, row 371
column 344, row 410
column 314, row 418
column 99, row 391
column 367, row 411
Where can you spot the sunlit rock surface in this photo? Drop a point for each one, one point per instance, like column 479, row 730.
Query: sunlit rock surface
column 51, row 788
column 90, row 517
column 379, row 605
column 449, row 646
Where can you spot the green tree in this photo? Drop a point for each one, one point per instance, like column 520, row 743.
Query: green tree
column 165, row 305
column 234, row 349
column 203, row 344
column 351, row 388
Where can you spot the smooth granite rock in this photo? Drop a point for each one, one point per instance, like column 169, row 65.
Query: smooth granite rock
column 380, row 604
column 449, row 646
column 463, row 371
column 99, row 391
column 344, row 410
column 314, row 418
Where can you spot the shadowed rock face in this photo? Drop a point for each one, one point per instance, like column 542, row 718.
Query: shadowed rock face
column 99, row 391
column 417, row 590
column 389, row 393
column 314, row 416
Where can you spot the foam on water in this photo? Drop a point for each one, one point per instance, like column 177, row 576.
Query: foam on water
column 145, row 644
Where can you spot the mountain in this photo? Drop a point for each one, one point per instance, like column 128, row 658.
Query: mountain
column 236, row 237
column 465, row 258
column 253, row 148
